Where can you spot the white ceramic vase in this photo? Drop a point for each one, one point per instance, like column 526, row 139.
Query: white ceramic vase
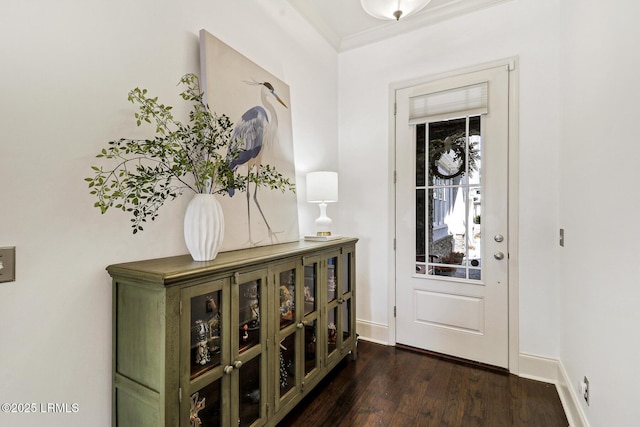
column 203, row 227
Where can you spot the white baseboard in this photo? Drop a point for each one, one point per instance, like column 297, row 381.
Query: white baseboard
column 538, row 368
column 371, row 331
column 552, row 371
column 574, row 411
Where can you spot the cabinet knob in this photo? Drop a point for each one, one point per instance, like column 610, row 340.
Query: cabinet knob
column 340, row 300
column 303, row 324
column 229, row 368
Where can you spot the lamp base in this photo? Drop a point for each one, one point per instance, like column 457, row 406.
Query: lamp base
column 316, row 238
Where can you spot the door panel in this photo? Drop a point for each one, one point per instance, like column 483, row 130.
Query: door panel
column 460, row 312
column 451, row 190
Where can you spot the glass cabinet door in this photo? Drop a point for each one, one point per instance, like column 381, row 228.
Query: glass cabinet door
column 296, row 359
column 248, row 315
column 346, row 295
column 204, row 353
column 339, row 288
column 247, row 369
column 205, row 405
column 287, row 335
column 250, row 396
column 332, row 295
column 310, row 318
column 206, row 324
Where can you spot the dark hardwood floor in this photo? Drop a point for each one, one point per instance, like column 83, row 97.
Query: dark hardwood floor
column 387, row 386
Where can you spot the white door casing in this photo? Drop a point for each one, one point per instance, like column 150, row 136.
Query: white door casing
column 463, row 317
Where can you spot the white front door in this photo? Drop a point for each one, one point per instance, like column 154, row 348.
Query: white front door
column 451, row 216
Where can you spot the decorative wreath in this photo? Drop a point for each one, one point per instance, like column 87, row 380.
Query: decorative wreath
column 455, row 143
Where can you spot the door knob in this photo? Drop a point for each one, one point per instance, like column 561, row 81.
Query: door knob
column 498, row 238
column 498, row 255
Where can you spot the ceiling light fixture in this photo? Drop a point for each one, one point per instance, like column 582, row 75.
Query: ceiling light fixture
column 392, row 9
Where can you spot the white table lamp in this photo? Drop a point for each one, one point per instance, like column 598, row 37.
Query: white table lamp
column 322, row 188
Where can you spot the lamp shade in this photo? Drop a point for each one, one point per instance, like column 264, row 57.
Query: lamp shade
column 322, row 187
column 388, row 9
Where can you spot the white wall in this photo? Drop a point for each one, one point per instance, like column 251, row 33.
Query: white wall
column 599, row 206
column 527, row 29
column 66, row 69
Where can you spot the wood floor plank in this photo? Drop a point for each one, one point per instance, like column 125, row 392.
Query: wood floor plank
column 387, row 386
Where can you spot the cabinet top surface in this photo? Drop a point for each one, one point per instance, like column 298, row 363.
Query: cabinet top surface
column 171, row 269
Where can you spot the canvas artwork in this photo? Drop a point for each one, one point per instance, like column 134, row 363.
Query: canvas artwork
column 259, row 106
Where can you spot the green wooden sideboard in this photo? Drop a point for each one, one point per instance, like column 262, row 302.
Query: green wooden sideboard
column 239, row 340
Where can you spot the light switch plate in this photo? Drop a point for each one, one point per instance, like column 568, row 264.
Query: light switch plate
column 8, row 264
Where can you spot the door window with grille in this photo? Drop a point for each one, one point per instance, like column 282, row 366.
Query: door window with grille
column 448, row 197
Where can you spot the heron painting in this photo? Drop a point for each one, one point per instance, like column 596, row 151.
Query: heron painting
column 258, row 104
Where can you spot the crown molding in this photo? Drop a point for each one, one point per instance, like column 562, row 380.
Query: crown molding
column 434, row 12
column 426, row 17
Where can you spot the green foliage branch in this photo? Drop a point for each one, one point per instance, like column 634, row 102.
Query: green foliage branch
column 181, row 157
